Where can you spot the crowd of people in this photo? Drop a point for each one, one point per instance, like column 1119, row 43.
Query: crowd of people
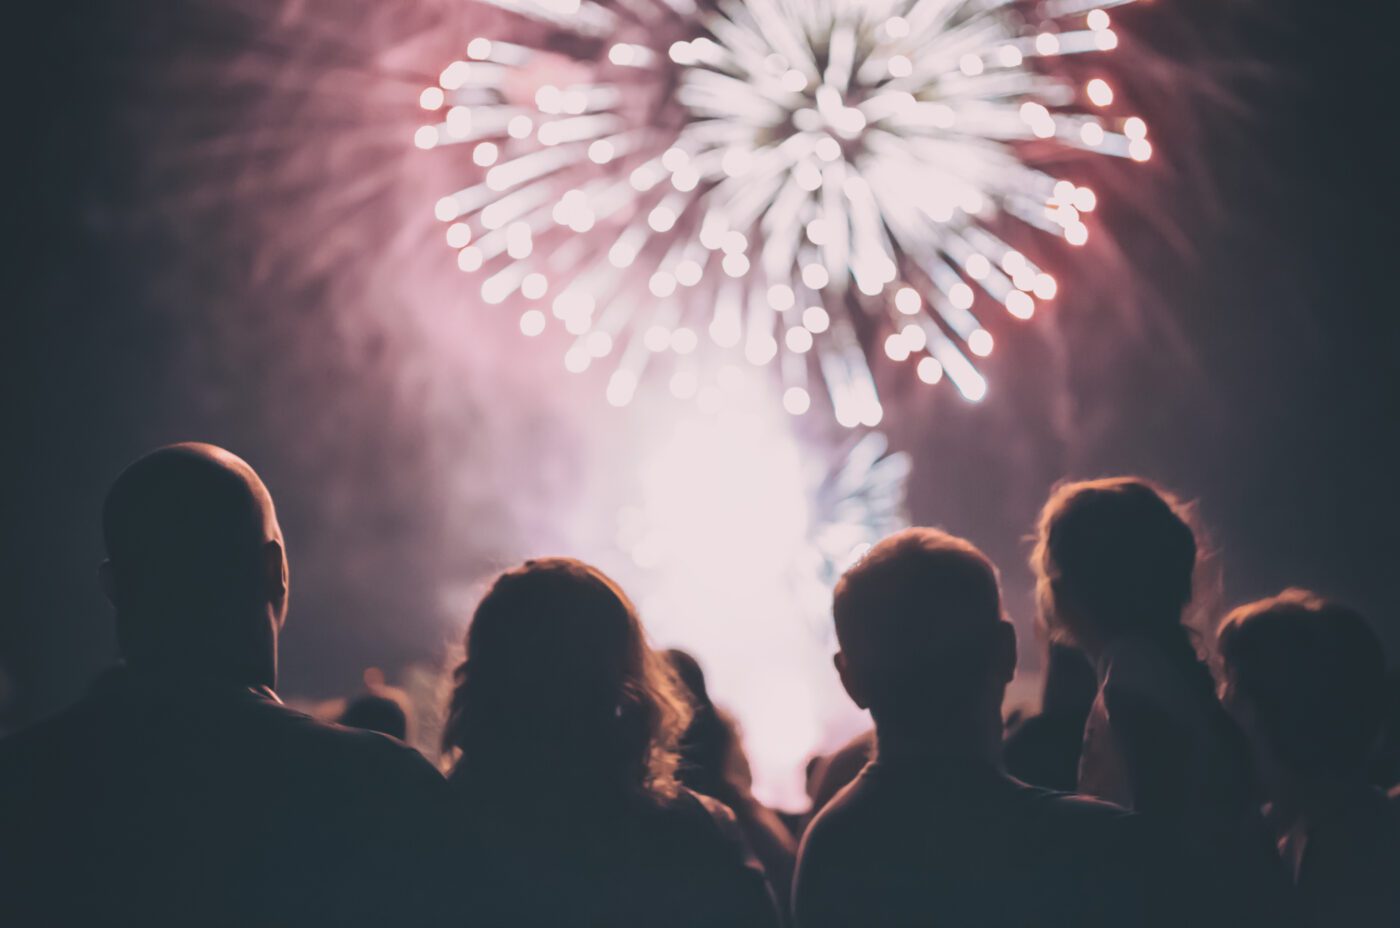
column 587, row 779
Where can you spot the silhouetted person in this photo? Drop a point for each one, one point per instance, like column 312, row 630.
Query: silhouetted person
column 933, row 832
column 179, row 790
column 375, row 712
column 1043, row 748
column 1306, row 679
column 382, row 708
column 1114, row 563
column 565, row 791
column 712, row 762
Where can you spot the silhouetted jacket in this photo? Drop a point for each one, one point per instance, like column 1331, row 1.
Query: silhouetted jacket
column 1158, row 741
column 929, row 840
column 1345, row 861
column 196, row 803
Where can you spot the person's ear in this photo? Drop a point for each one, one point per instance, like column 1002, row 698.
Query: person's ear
column 275, row 579
column 1004, row 652
column 107, row 580
column 849, row 682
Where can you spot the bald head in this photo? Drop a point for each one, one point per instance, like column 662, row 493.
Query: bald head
column 194, row 556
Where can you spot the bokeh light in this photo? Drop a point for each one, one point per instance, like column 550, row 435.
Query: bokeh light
column 728, row 168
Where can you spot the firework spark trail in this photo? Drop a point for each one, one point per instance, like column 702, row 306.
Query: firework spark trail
column 777, row 177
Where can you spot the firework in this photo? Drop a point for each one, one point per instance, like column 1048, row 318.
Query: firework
column 800, row 181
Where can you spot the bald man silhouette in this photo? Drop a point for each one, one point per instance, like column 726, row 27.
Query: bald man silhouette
column 180, row 790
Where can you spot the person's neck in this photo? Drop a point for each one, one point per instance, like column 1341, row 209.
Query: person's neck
column 225, row 645
column 967, row 742
column 187, row 671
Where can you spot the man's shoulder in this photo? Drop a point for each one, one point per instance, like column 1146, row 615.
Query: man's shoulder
column 853, row 807
column 870, row 793
column 841, row 849
column 869, row 805
column 1073, row 805
column 1052, row 809
column 304, row 735
column 246, row 723
column 835, row 771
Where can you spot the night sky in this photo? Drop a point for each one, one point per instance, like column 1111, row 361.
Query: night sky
column 1249, row 361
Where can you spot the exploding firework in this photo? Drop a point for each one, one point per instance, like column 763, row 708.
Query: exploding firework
column 788, row 178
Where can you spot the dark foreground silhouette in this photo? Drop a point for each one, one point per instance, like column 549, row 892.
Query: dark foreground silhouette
column 179, row 790
column 1306, row 679
column 567, row 809
column 932, row 832
column 594, row 783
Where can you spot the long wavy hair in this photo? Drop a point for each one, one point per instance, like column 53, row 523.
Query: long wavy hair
column 560, row 689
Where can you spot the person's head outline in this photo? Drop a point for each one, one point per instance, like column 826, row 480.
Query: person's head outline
column 1113, row 556
column 195, row 565
column 558, row 671
column 1305, row 678
column 922, row 636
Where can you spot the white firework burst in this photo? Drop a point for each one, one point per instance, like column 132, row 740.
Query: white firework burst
column 797, row 180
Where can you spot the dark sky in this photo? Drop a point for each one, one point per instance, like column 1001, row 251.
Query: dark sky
column 1259, row 377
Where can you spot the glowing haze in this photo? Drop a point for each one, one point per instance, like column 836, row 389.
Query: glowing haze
column 729, row 531
column 806, row 183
